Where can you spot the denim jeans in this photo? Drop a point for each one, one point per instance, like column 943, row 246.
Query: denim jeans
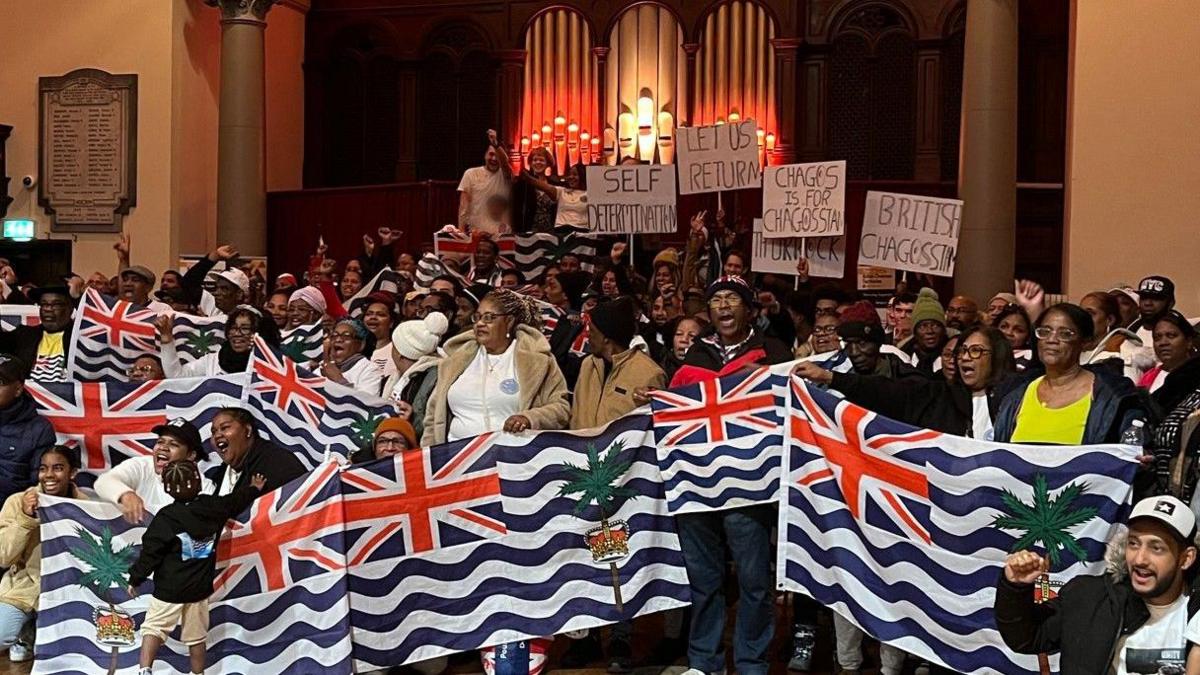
column 12, row 620
column 703, row 537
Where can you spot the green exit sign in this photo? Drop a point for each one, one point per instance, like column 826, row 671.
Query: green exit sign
column 19, row 230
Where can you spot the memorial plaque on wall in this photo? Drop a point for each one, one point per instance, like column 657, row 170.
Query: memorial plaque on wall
column 87, row 149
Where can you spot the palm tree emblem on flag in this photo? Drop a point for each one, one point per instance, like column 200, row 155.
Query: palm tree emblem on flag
column 597, row 483
column 1046, row 520
column 109, row 569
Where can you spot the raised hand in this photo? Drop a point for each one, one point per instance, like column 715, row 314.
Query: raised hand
column 165, row 325
column 1024, row 567
column 122, row 246
column 618, row 250
column 390, row 235
column 802, row 269
column 368, row 244
column 1030, row 296
column 224, row 252
column 257, row 481
column 491, row 134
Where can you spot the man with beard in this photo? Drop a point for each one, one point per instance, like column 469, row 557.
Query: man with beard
column 961, row 313
column 1130, row 620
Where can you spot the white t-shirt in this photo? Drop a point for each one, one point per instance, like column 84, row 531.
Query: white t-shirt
column 485, row 395
column 1160, row 640
column 981, row 418
column 572, row 208
column 480, row 184
column 136, row 475
column 382, row 358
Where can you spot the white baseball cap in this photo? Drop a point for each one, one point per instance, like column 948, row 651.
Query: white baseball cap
column 234, row 276
column 1170, row 511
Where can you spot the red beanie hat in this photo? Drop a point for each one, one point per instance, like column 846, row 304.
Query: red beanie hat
column 862, row 311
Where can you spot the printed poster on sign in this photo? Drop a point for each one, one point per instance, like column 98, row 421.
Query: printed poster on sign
column 913, row 233
column 826, row 255
column 717, row 158
column 632, row 199
column 805, row 200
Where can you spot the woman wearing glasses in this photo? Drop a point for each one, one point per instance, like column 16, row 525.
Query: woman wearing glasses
column 1069, row 404
column 500, row 375
column 965, row 405
column 243, row 323
column 347, row 357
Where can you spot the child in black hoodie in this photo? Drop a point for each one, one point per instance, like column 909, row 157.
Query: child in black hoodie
column 179, row 548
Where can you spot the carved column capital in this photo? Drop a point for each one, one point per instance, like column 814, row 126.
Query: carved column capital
column 247, row 11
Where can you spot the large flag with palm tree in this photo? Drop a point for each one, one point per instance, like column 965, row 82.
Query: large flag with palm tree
column 904, row 531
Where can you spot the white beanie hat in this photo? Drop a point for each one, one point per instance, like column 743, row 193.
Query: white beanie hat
column 420, row 337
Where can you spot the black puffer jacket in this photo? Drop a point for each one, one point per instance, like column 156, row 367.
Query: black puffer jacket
column 1116, row 403
column 23, row 434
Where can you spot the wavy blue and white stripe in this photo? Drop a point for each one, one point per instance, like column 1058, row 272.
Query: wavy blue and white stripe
column 537, row 580
column 935, row 600
column 301, row 629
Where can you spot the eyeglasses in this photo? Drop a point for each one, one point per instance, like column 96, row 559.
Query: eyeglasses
column 487, row 317
column 241, row 330
column 827, row 311
column 1061, row 334
column 139, row 370
column 342, row 336
column 974, row 352
column 824, row 330
column 725, row 300
column 391, row 440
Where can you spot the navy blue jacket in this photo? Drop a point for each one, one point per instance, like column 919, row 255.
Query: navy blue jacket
column 23, row 434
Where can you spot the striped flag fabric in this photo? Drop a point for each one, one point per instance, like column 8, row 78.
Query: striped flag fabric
column 719, row 442
column 109, row 335
column 904, row 531
column 386, row 280
column 307, row 412
column 291, row 535
column 197, row 336
column 533, row 253
column 12, row 316
column 112, row 421
column 303, row 344
column 525, row 570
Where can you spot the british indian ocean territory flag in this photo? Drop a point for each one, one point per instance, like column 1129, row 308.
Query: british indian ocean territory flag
column 896, row 528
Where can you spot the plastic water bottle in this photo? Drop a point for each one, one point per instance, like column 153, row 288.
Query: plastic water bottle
column 1135, row 435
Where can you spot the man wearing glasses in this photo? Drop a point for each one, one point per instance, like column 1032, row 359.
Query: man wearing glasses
column 729, row 345
column 44, row 346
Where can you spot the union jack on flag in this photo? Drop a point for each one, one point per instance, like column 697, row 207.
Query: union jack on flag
column 12, row 316
column 309, row 413
column 108, row 337
column 290, row 534
column 422, row 500
column 897, row 528
column 457, row 245
column 719, row 441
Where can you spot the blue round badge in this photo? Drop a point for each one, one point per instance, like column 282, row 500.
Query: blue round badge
column 509, row 386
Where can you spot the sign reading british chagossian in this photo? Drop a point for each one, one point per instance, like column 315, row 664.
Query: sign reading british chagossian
column 913, row 233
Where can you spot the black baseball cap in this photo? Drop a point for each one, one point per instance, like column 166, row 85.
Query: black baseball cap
column 185, row 432
column 1159, row 288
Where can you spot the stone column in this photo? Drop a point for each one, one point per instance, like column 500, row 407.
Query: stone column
column 785, row 98
column 241, row 149
column 987, row 174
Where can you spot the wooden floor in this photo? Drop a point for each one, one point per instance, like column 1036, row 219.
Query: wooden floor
column 9, row 668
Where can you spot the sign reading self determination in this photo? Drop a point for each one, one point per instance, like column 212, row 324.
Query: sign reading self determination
column 632, row 199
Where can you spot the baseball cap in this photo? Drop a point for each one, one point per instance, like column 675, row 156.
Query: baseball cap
column 234, row 276
column 1156, row 287
column 1170, row 511
column 286, row 279
column 140, row 270
column 12, row 369
column 1126, row 291
column 185, row 432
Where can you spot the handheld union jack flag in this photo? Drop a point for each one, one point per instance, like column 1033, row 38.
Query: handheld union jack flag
column 894, row 526
column 112, row 421
column 12, row 316
column 108, row 337
column 424, row 499
column 288, row 535
column 307, row 412
column 719, row 441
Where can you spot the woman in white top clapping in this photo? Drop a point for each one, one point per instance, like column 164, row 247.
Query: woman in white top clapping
column 499, row 376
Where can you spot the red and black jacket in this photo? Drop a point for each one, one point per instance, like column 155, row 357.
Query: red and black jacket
column 704, row 360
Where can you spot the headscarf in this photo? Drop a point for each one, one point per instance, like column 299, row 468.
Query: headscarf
column 309, row 296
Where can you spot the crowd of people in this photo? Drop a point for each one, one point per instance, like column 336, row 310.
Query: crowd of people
column 467, row 353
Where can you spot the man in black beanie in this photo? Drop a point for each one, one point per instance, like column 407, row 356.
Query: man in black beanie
column 609, row 376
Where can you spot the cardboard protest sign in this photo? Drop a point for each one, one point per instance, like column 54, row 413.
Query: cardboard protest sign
column 631, row 199
column 717, row 158
column 826, row 255
column 804, row 200
column 910, row 232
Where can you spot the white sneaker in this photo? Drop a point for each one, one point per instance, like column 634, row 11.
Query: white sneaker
column 19, row 652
